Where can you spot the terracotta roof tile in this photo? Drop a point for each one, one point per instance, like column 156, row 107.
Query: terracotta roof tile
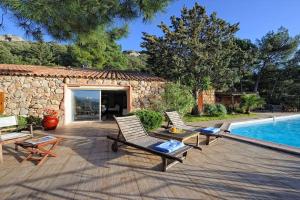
column 43, row 71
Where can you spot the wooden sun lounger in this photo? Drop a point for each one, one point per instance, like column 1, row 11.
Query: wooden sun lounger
column 132, row 133
column 175, row 120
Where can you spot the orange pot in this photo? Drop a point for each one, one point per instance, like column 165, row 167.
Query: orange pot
column 50, row 122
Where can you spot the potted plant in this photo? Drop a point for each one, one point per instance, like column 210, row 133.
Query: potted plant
column 50, row 120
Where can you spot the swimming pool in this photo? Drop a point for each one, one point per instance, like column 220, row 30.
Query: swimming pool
column 280, row 130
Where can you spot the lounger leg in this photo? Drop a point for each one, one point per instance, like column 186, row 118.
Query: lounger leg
column 168, row 163
column 28, row 156
column 164, row 164
column 168, row 125
column 1, row 154
column 42, row 160
column 114, row 146
column 207, row 139
column 184, row 154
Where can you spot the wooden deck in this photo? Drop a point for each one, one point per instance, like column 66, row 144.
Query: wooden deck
column 87, row 169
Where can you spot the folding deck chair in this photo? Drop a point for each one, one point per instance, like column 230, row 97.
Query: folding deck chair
column 13, row 132
column 175, row 120
column 41, row 147
column 132, row 133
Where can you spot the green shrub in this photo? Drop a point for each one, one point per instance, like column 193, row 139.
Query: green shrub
column 210, row 109
column 239, row 110
column 175, row 97
column 150, row 119
column 34, row 120
column 221, row 110
column 215, row 110
column 22, row 122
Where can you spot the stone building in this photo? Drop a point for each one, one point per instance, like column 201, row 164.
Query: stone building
column 78, row 94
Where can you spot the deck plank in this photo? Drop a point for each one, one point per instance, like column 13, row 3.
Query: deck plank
column 86, row 168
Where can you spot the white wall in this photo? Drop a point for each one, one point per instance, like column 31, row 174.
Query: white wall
column 68, row 101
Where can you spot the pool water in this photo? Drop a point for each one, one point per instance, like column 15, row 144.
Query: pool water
column 284, row 131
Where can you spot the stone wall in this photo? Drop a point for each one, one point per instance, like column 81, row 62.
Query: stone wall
column 31, row 95
column 143, row 92
column 208, row 96
column 25, row 95
column 205, row 97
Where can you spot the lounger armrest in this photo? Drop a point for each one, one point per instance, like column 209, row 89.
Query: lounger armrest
column 164, row 126
column 30, row 127
column 152, row 133
column 226, row 131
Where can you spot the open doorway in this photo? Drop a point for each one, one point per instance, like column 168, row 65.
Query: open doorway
column 113, row 102
column 88, row 103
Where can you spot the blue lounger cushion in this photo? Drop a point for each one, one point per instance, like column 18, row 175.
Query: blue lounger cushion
column 209, row 130
column 168, row 146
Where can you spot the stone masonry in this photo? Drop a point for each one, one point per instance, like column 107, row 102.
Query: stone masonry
column 208, row 96
column 205, row 97
column 31, row 95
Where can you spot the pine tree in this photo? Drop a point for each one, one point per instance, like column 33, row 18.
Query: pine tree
column 275, row 49
column 65, row 20
column 97, row 49
column 195, row 49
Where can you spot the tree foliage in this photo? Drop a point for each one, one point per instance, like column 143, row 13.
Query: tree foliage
column 201, row 51
column 65, row 20
column 97, row 49
column 275, row 49
column 87, row 25
column 137, row 63
column 35, row 53
column 274, row 68
column 175, row 97
column 281, row 85
column 243, row 62
column 194, row 48
column 90, row 51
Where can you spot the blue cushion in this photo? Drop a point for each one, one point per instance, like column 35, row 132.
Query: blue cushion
column 169, row 146
column 210, row 130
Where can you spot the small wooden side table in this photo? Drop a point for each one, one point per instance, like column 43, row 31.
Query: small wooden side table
column 182, row 137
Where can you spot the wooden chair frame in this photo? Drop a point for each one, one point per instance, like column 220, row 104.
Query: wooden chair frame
column 39, row 149
column 168, row 160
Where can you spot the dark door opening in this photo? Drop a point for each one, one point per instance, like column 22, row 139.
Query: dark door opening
column 113, row 103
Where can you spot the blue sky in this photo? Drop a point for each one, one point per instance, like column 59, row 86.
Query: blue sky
column 256, row 18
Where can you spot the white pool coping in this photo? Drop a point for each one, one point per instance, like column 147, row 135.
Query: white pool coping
column 270, row 145
column 264, row 120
